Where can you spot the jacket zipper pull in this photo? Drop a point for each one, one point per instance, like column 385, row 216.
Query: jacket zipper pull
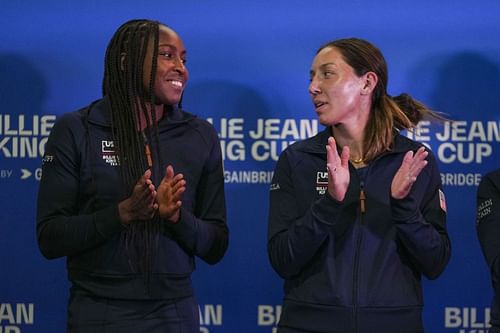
column 147, row 151
column 362, row 198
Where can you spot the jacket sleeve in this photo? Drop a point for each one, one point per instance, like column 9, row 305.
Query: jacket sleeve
column 421, row 222
column 204, row 231
column 61, row 229
column 294, row 237
column 488, row 220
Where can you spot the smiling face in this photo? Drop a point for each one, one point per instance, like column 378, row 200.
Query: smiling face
column 171, row 72
column 337, row 93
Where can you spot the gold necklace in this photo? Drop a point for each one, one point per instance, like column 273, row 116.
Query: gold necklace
column 357, row 160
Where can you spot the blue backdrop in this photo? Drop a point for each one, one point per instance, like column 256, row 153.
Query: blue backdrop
column 249, row 65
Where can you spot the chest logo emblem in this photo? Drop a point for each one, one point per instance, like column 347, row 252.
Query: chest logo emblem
column 108, row 152
column 321, row 182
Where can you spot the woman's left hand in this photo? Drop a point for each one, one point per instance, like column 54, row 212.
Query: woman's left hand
column 169, row 195
column 412, row 165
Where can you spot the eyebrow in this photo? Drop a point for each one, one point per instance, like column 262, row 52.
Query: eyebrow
column 184, row 52
column 167, row 45
column 327, row 64
column 323, row 66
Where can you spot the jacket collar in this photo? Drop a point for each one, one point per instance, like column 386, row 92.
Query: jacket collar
column 99, row 113
column 317, row 144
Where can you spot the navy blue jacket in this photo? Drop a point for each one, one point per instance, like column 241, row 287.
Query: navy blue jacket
column 78, row 198
column 488, row 231
column 346, row 271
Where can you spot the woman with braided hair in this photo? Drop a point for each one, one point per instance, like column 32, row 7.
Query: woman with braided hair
column 357, row 214
column 132, row 191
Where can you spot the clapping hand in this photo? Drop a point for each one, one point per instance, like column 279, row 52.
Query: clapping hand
column 169, row 195
column 141, row 205
column 338, row 170
column 412, row 165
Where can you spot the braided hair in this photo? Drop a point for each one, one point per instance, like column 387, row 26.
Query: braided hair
column 124, row 86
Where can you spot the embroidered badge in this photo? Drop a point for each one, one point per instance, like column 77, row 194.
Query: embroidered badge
column 109, row 153
column 274, row 187
column 484, row 209
column 48, row 159
column 321, row 181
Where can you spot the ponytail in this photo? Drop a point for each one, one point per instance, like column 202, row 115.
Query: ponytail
column 389, row 116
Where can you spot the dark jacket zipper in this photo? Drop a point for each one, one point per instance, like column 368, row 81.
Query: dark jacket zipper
column 362, row 210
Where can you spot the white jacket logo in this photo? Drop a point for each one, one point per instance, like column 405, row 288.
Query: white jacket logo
column 108, row 153
column 321, row 181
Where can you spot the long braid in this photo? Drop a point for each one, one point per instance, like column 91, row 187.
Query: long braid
column 123, row 85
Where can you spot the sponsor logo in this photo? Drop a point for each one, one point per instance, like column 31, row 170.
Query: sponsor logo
column 248, row 176
column 210, row 315
column 269, row 316
column 465, row 142
column 467, row 319
column 24, row 136
column 262, row 139
column 14, row 317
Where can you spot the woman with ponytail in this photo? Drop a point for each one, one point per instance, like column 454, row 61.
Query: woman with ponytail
column 132, row 192
column 357, row 213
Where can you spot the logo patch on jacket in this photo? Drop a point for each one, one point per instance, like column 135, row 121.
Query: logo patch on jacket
column 109, row 153
column 274, row 187
column 484, row 209
column 47, row 159
column 321, row 181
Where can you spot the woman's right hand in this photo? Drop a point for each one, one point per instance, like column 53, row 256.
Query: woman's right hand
column 141, row 205
column 338, row 170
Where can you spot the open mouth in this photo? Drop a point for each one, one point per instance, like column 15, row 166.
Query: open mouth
column 319, row 104
column 176, row 83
